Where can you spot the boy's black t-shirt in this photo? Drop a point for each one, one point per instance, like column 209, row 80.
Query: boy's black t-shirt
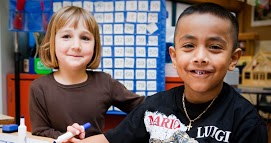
column 231, row 118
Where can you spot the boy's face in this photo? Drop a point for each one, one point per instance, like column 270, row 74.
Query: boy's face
column 203, row 52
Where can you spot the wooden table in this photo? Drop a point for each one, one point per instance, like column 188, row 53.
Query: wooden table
column 29, row 136
column 4, row 119
column 256, row 91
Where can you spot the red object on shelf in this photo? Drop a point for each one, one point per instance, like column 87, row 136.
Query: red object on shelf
column 18, row 21
column 173, row 82
column 20, row 5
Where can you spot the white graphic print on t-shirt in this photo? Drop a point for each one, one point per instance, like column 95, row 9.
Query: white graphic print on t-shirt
column 165, row 129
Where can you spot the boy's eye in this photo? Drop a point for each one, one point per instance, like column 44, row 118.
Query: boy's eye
column 188, row 46
column 215, row 47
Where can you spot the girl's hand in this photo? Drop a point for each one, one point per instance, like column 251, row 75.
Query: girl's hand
column 77, row 130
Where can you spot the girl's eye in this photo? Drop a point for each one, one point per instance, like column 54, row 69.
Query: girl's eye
column 66, row 36
column 85, row 38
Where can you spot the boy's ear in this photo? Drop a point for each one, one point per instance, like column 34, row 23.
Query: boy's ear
column 234, row 58
column 172, row 53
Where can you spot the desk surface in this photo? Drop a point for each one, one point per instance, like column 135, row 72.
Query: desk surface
column 253, row 90
column 31, row 138
column 4, row 119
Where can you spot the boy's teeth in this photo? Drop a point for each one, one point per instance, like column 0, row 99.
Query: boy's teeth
column 200, row 72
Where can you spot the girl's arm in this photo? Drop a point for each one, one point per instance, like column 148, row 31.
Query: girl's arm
column 122, row 98
column 38, row 116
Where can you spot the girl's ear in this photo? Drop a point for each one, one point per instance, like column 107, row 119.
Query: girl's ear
column 172, row 53
column 234, row 59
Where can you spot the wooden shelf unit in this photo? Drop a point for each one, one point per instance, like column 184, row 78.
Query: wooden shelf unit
column 173, row 82
column 232, row 5
column 248, row 36
column 249, row 42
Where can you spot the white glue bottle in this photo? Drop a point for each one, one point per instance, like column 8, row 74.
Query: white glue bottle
column 22, row 131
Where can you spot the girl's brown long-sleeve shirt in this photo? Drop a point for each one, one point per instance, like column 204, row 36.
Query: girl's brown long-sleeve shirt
column 54, row 106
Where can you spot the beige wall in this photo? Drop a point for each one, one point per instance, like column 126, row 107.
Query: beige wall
column 6, row 55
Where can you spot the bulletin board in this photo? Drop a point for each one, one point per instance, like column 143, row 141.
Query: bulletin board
column 132, row 36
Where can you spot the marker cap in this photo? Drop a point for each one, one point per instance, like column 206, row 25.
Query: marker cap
column 86, row 125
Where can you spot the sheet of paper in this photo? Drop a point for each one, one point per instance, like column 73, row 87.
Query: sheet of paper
column 7, row 138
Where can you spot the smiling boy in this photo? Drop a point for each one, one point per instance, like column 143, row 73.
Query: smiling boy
column 204, row 109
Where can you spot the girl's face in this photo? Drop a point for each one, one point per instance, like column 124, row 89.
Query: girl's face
column 74, row 47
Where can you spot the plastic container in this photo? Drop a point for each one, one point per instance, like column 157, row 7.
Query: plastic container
column 40, row 68
column 22, row 131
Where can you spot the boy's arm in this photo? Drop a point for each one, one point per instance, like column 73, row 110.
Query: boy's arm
column 254, row 133
column 95, row 139
column 251, row 129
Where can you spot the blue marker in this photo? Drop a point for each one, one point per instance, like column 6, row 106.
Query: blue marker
column 69, row 135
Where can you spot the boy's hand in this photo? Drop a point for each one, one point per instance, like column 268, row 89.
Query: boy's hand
column 77, row 130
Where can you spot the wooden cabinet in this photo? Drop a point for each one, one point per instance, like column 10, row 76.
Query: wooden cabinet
column 25, row 81
column 173, row 82
column 247, row 42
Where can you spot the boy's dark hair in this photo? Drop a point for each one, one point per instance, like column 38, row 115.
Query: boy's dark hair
column 215, row 10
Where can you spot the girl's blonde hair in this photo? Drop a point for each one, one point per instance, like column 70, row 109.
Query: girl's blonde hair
column 60, row 19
